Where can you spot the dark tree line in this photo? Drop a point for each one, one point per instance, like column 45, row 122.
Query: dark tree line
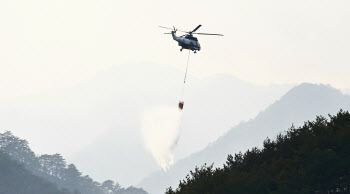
column 14, row 178
column 54, row 169
column 314, row 158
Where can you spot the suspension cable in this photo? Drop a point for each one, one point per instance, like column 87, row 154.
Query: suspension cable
column 188, row 59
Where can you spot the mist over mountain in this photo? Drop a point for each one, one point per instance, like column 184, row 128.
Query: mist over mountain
column 301, row 103
column 100, row 117
column 346, row 91
column 200, row 96
column 97, row 88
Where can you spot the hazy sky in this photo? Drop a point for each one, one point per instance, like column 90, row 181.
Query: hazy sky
column 52, row 45
column 55, row 43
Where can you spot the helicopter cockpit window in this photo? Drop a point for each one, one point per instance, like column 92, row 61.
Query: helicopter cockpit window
column 191, row 38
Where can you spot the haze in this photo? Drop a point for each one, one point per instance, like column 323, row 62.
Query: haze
column 73, row 71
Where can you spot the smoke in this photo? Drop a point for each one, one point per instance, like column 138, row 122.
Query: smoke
column 160, row 128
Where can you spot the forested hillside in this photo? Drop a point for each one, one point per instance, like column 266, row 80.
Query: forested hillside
column 314, row 158
column 14, row 178
column 52, row 168
column 298, row 105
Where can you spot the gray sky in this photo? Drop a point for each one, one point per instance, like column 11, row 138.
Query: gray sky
column 47, row 44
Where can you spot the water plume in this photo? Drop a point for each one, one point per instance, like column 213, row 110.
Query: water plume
column 160, row 130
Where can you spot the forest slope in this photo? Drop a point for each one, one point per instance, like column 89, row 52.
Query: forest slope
column 299, row 104
column 52, row 168
column 314, row 158
column 14, row 178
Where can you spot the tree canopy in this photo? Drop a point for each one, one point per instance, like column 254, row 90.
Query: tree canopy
column 314, row 158
column 53, row 168
column 16, row 179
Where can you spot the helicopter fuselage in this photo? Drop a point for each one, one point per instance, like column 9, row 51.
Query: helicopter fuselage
column 187, row 42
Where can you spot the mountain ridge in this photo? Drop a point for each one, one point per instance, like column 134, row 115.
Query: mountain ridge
column 53, row 170
column 300, row 103
column 312, row 158
column 213, row 93
column 16, row 179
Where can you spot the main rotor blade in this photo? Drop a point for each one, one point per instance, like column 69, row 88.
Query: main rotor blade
column 166, row 27
column 209, row 34
column 173, row 29
column 167, row 33
column 196, row 28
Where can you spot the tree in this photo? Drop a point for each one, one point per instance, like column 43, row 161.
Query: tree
column 53, row 168
column 18, row 149
column 109, row 187
column 16, row 179
column 54, row 165
column 313, row 158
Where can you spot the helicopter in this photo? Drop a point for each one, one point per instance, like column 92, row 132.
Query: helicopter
column 188, row 41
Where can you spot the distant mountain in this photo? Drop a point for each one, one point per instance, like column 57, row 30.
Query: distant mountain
column 313, row 158
column 50, row 168
column 100, row 117
column 123, row 155
column 301, row 103
column 346, row 91
column 105, row 113
column 14, row 178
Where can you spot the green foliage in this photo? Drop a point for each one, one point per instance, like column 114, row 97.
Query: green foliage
column 16, row 179
column 314, row 158
column 53, row 168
